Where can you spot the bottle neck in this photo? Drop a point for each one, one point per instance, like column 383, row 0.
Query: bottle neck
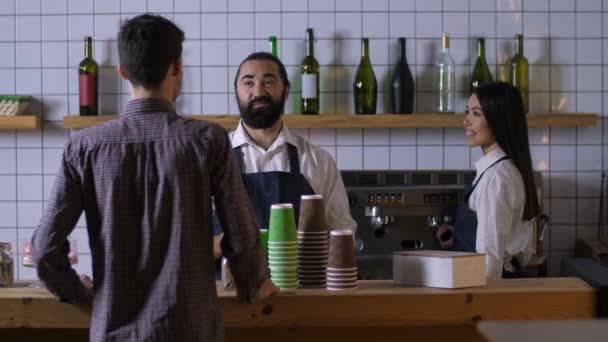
column 481, row 48
column 88, row 47
column 402, row 54
column 445, row 43
column 520, row 45
column 364, row 48
column 272, row 45
column 310, row 44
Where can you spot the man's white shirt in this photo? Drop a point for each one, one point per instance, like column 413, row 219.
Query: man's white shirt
column 316, row 165
column 498, row 200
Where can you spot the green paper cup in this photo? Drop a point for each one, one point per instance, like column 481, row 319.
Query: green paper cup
column 287, row 286
column 283, row 264
column 284, row 276
column 282, row 223
column 264, row 239
column 281, row 274
column 278, row 274
column 284, row 258
column 292, row 253
column 285, row 271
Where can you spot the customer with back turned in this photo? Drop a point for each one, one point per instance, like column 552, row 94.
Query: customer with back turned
column 495, row 213
column 145, row 182
column 278, row 165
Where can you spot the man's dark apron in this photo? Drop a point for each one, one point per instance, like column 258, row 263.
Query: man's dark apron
column 268, row 188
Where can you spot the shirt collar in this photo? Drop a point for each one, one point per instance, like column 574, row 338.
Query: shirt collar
column 148, row 106
column 487, row 160
column 241, row 137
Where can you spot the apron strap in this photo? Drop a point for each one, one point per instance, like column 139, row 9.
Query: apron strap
column 475, row 185
column 239, row 156
column 294, row 161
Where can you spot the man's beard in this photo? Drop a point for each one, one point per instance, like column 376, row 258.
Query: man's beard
column 264, row 116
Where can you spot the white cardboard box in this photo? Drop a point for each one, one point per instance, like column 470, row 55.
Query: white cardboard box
column 443, row 269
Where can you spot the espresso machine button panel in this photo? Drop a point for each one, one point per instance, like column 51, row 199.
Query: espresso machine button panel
column 441, row 198
column 385, row 198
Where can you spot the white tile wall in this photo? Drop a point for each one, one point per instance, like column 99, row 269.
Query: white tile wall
column 566, row 44
column 562, row 5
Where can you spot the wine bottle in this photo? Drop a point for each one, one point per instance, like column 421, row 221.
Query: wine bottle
column 365, row 86
column 88, row 81
column 309, row 103
column 402, row 84
column 444, row 79
column 519, row 71
column 481, row 71
column 272, row 45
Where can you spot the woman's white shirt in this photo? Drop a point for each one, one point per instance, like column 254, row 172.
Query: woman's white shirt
column 498, row 200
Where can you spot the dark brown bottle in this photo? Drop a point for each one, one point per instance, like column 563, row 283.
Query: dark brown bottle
column 402, row 84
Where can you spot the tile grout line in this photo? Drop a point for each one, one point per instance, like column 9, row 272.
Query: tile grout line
column 15, row 139
column 576, row 129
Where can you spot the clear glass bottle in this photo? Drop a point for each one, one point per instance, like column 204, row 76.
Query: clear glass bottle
column 444, row 79
column 7, row 265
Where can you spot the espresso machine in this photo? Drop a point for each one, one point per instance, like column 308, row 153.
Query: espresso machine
column 398, row 211
column 402, row 210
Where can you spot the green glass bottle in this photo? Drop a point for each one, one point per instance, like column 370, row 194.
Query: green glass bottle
column 481, row 71
column 88, row 81
column 272, row 45
column 519, row 71
column 309, row 69
column 365, row 86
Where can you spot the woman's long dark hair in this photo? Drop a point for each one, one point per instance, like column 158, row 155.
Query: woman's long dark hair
column 503, row 109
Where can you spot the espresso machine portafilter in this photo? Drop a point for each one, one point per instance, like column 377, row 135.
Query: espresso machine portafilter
column 435, row 222
column 378, row 222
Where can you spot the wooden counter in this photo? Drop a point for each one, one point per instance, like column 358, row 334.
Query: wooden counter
column 376, row 304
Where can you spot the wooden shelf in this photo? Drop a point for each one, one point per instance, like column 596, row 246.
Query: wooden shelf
column 365, row 121
column 20, row 122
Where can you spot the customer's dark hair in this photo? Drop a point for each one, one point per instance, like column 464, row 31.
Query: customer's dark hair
column 503, row 109
column 147, row 45
column 260, row 56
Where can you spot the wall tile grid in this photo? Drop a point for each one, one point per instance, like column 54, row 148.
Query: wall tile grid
column 566, row 43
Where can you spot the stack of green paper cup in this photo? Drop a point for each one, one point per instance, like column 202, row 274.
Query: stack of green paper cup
column 283, row 246
column 264, row 239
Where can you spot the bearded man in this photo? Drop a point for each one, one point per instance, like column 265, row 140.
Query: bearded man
column 279, row 166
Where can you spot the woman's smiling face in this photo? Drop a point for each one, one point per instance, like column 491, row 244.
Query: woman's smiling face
column 476, row 127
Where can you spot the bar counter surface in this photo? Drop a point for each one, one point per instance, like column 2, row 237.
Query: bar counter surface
column 376, row 306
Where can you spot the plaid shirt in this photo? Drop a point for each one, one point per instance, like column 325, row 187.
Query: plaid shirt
column 145, row 182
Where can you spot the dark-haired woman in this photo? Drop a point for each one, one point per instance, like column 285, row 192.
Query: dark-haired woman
column 495, row 213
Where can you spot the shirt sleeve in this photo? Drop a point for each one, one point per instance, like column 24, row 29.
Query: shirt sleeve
column 49, row 244
column 331, row 186
column 494, row 217
column 241, row 242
